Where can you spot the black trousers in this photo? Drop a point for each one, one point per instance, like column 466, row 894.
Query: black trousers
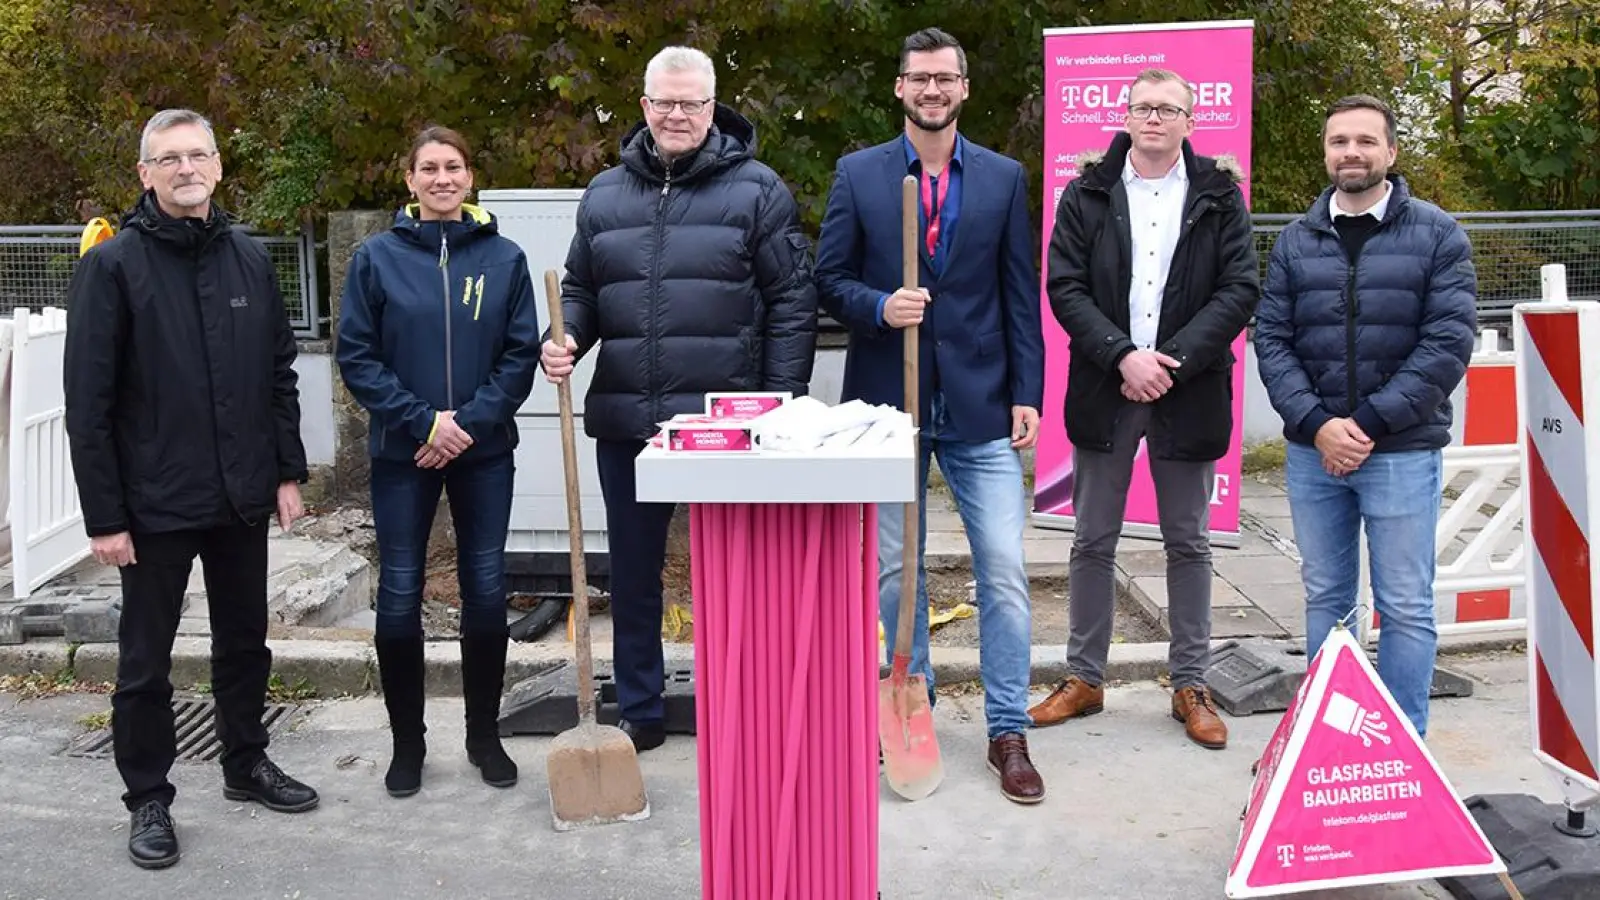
column 636, row 536
column 144, row 739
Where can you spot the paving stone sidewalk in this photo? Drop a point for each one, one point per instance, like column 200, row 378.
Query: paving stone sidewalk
column 1255, row 591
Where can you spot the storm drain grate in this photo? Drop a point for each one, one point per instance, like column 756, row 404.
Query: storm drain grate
column 194, row 719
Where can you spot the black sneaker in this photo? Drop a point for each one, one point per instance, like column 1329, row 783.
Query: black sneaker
column 645, row 735
column 271, row 788
column 152, row 838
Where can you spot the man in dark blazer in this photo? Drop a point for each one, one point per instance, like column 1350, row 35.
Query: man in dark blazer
column 981, row 362
column 1153, row 274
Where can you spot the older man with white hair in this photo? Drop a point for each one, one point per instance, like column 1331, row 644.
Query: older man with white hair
column 690, row 273
column 183, row 419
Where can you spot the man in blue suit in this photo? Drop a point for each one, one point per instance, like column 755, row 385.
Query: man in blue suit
column 981, row 364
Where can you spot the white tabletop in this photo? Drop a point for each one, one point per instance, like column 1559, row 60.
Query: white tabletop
column 883, row 474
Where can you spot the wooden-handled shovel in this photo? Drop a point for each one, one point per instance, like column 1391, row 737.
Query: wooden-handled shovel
column 593, row 769
column 911, row 760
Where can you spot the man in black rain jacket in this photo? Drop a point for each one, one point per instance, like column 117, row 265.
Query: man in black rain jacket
column 183, row 420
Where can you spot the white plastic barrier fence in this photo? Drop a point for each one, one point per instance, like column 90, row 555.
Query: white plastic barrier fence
column 46, row 522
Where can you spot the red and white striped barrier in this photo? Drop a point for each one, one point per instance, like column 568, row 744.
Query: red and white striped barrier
column 1558, row 360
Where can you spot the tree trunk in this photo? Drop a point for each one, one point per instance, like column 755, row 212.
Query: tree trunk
column 1458, row 101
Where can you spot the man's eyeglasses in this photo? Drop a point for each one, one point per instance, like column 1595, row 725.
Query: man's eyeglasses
column 945, row 80
column 196, row 158
column 689, row 107
column 1166, row 113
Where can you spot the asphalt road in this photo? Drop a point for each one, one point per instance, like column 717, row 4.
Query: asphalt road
column 1134, row 810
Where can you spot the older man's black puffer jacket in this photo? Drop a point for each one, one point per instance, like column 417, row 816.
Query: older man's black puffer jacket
column 693, row 280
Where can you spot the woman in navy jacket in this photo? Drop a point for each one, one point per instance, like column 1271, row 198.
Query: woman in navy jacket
column 439, row 342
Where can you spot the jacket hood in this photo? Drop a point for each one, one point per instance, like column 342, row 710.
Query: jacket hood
column 190, row 233
column 1320, row 217
column 475, row 222
column 1104, row 167
column 731, row 140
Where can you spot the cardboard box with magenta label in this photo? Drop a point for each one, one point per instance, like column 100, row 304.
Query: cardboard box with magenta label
column 699, row 433
column 745, row 404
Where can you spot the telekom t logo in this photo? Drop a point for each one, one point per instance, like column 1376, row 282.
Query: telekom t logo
column 1285, row 855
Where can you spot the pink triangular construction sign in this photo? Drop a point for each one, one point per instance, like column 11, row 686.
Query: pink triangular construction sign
column 1347, row 794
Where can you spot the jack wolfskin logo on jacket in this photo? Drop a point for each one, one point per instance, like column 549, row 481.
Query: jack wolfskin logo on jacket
column 152, row 448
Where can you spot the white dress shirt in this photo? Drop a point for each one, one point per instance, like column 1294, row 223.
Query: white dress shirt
column 1155, row 211
column 1377, row 209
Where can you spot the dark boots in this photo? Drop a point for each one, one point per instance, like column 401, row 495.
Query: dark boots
column 483, row 673
column 400, row 672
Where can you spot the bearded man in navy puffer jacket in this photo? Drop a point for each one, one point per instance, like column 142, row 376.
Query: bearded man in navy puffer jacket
column 1365, row 326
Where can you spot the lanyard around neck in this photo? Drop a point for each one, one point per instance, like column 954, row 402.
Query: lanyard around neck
column 933, row 205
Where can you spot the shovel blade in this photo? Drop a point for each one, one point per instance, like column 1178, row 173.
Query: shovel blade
column 911, row 760
column 593, row 776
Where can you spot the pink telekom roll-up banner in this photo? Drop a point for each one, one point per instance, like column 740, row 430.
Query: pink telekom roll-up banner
column 1087, row 75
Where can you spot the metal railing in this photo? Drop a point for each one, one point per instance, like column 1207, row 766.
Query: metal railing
column 37, row 262
column 1507, row 248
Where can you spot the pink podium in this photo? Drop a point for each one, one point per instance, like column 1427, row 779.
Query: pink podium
column 784, row 563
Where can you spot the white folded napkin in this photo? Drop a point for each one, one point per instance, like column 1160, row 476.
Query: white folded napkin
column 806, row 423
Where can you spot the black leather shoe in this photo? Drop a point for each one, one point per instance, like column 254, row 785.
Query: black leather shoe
column 152, row 838
column 271, row 788
column 645, row 736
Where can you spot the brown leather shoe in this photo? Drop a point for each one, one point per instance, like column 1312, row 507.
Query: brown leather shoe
column 1193, row 707
column 1072, row 699
column 1019, row 780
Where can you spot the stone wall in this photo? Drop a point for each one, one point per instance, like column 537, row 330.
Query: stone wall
column 352, row 469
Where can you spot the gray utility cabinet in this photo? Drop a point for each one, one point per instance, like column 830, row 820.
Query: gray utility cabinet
column 543, row 222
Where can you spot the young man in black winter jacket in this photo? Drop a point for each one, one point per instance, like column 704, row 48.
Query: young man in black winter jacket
column 1153, row 275
column 183, row 420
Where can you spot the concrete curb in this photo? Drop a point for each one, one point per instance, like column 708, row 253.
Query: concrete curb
column 347, row 667
column 332, row 667
column 36, row 657
column 341, row 667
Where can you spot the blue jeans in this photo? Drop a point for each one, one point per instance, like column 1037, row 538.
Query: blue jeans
column 404, row 499
column 986, row 479
column 1396, row 495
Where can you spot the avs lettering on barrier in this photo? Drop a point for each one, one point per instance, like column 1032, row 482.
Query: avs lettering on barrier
column 1088, row 74
column 1348, row 795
